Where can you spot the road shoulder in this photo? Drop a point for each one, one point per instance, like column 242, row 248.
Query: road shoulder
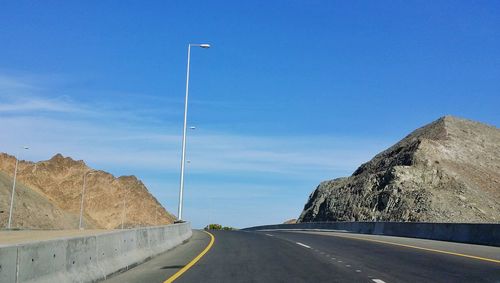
column 163, row 266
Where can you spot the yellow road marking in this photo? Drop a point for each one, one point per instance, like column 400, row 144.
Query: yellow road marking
column 192, row 262
column 420, row 248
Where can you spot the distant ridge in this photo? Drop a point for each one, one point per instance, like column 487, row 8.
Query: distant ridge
column 49, row 194
column 446, row 171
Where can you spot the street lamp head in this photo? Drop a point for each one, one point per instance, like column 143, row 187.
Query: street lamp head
column 204, row 45
column 25, row 147
column 192, row 128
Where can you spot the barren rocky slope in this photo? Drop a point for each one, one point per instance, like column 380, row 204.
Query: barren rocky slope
column 49, row 192
column 33, row 210
column 446, row 171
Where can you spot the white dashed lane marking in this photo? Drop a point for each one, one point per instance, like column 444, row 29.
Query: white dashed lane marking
column 305, row 246
column 270, row 235
column 347, row 265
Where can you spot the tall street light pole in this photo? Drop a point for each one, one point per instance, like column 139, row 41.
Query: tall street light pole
column 14, row 190
column 183, row 158
column 83, row 195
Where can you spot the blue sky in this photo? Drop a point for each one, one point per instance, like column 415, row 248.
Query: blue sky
column 292, row 92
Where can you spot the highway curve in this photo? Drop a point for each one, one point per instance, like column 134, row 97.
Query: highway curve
column 283, row 256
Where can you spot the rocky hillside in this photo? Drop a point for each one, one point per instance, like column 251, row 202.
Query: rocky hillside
column 446, row 171
column 48, row 195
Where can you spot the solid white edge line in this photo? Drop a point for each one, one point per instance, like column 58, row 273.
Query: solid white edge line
column 305, row 246
column 378, row 281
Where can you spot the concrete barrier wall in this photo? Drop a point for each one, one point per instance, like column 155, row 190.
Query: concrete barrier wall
column 480, row 234
column 87, row 258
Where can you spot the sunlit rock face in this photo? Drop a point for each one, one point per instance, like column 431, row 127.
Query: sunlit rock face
column 48, row 196
column 446, row 171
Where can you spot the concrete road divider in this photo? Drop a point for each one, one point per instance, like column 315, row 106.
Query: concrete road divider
column 87, row 258
column 471, row 233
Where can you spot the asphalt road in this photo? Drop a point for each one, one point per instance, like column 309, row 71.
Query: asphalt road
column 164, row 266
column 273, row 256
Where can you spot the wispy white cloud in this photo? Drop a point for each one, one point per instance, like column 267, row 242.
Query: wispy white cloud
column 102, row 136
column 26, row 94
column 36, row 104
column 142, row 148
column 123, row 139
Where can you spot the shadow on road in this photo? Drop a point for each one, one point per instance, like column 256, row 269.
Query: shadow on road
column 172, row 266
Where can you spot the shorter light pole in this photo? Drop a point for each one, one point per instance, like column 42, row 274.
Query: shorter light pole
column 14, row 190
column 83, row 195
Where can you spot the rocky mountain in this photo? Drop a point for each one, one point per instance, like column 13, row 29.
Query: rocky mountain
column 446, row 171
column 48, row 195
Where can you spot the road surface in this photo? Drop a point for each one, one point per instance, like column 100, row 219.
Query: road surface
column 284, row 256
